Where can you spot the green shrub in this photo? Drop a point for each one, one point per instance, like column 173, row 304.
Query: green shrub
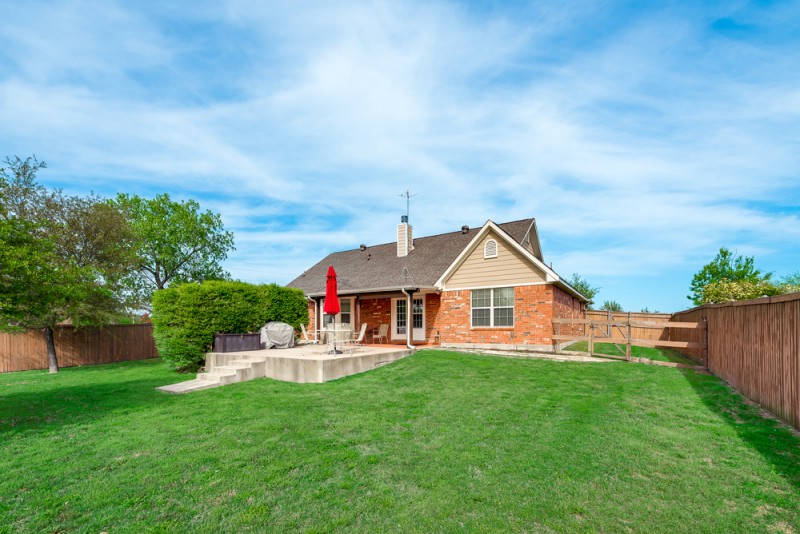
column 285, row 304
column 731, row 290
column 187, row 316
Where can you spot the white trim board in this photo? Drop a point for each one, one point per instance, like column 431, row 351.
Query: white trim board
column 495, row 286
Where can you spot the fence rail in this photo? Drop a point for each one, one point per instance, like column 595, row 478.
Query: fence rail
column 627, row 328
column 77, row 346
column 636, row 331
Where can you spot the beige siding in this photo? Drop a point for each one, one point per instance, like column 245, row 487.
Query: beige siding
column 508, row 268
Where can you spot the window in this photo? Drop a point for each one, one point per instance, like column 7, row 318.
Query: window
column 490, row 249
column 345, row 312
column 493, row 307
column 417, row 312
column 401, row 316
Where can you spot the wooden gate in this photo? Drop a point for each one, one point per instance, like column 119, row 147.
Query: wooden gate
column 619, row 332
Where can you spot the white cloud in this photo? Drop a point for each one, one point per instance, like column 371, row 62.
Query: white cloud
column 639, row 148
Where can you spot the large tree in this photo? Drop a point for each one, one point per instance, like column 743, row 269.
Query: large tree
column 611, row 305
column 724, row 268
column 176, row 243
column 62, row 257
column 25, row 264
column 584, row 288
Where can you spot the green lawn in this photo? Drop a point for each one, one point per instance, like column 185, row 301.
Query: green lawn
column 439, row 441
column 611, row 349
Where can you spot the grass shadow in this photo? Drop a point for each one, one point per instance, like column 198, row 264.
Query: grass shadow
column 35, row 400
column 617, row 350
column 776, row 441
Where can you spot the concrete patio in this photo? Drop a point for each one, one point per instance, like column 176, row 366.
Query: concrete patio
column 301, row 364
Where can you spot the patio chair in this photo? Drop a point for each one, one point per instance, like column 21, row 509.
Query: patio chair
column 311, row 340
column 360, row 339
column 381, row 333
column 435, row 337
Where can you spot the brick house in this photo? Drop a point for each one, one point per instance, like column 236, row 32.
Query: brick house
column 481, row 287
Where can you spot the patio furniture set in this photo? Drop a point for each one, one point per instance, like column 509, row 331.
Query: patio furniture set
column 343, row 335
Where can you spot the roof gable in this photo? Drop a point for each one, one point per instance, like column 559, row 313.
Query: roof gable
column 493, row 228
column 493, row 262
column 531, row 241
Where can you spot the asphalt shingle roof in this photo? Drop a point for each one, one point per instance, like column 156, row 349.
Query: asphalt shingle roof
column 378, row 267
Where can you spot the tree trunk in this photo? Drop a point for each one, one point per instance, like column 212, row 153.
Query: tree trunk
column 51, row 349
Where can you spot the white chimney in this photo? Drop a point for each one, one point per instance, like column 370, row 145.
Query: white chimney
column 405, row 240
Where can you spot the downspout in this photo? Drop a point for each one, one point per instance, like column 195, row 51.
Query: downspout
column 409, row 318
column 319, row 317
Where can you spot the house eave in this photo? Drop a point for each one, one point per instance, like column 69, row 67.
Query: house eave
column 349, row 292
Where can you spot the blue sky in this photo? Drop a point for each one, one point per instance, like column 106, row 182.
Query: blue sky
column 642, row 136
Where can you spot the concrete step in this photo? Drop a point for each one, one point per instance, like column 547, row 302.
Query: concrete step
column 240, row 370
column 243, row 371
column 252, row 357
column 220, row 376
column 188, row 386
column 256, row 368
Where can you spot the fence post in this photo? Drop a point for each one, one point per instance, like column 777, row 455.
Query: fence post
column 591, row 340
column 705, row 342
column 556, row 347
column 608, row 326
column 628, row 339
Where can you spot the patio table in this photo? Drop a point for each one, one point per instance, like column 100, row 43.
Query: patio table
column 342, row 334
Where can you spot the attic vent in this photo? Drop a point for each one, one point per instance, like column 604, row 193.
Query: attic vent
column 464, row 229
column 363, row 247
column 490, row 249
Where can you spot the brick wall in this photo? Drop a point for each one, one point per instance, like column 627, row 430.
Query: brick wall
column 565, row 306
column 376, row 312
column 534, row 309
column 312, row 319
column 379, row 311
column 432, row 315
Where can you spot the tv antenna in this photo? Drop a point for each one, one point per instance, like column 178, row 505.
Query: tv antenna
column 407, row 195
column 405, row 274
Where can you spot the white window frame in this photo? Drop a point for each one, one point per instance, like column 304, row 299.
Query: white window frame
column 397, row 318
column 486, row 252
column 417, row 334
column 492, row 308
column 338, row 318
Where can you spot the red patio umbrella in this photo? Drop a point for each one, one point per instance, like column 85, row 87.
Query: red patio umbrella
column 332, row 301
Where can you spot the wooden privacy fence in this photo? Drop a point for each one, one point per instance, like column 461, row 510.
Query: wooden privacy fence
column 755, row 346
column 597, row 331
column 77, row 346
